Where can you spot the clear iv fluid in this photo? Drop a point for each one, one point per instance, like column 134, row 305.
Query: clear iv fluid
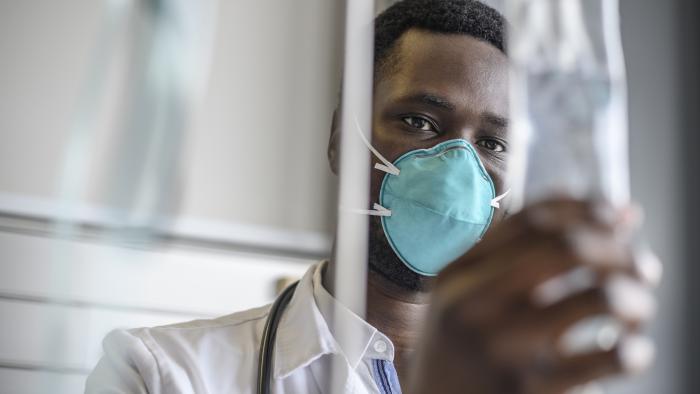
column 568, row 98
column 569, row 116
column 574, row 138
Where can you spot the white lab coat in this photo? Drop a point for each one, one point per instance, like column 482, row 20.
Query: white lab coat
column 221, row 355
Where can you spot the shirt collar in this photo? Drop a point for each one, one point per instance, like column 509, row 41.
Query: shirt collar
column 304, row 333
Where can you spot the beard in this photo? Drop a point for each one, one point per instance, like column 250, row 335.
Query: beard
column 387, row 264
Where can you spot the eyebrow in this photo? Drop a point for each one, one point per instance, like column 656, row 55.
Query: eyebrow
column 445, row 104
column 432, row 100
column 496, row 120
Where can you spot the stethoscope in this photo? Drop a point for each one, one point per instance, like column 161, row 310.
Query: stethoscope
column 267, row 345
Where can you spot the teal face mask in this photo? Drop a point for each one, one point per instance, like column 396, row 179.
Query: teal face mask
column 438, row 206
column 434, row 204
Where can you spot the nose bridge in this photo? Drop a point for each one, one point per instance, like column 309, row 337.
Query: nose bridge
column 464, row 126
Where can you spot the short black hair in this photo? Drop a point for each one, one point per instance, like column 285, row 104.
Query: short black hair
column 468, row 17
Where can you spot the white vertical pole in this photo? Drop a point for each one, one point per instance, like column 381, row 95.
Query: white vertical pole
column 352, row 234
column 351, row 246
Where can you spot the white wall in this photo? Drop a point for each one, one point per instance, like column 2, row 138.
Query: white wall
column 253, row 175
column 255, row 151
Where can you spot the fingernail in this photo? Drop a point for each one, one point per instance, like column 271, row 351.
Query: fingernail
column 562, row 286
column 649, row 266
column 591, row 334
column 608, row 336
column 630, row 299
column 636, row 353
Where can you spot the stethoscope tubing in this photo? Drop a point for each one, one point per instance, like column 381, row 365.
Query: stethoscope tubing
column 267, row 344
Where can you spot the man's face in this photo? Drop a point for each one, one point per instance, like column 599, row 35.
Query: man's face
column 442, row 87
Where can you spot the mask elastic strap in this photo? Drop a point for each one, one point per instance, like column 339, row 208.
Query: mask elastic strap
column 387, row 166
column 496, row 202
column 377, row 211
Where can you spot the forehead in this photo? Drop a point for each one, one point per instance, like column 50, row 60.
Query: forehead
column 463, row 69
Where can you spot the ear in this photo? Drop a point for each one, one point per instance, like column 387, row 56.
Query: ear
column 334, row 143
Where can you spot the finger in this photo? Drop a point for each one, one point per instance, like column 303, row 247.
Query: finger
column 506, row 246
column 543, row 217
column 549, row 265
column 647, row 265
column 482, row 295
column 627, row 300
column 514, row 274
column 532, row 258
column 547, row 217
column 556, row 216
column 519, row 336
column 632, row 355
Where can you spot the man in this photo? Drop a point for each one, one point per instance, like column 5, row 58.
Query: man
column 440, row 99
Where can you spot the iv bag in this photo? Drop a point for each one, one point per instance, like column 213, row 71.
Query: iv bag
column 569, row 116
column 568, row 101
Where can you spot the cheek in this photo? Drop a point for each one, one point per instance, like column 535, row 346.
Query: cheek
column 376, row 178
column 389, row 145
column 499, row 215
column 498, row 178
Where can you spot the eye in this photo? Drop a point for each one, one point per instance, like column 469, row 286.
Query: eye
column 491, row 144
column 419, row 123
